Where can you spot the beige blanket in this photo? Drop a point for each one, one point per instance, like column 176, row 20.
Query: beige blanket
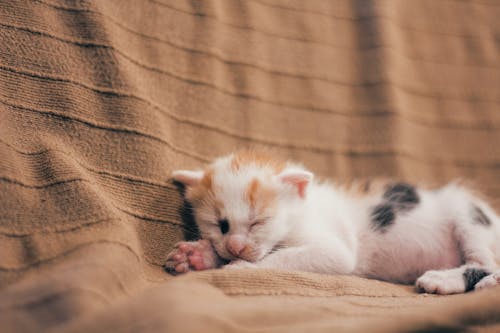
column 100, row 100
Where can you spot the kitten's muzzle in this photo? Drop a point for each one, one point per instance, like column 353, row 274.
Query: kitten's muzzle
column 238, row 247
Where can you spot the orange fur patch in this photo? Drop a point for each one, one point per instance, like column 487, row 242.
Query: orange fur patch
column 203, row 188
column 257, row 158
column 206, row 181
column 252, row 192
column 259, row 196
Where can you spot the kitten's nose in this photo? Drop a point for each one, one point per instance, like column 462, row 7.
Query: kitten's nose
column 236, row 245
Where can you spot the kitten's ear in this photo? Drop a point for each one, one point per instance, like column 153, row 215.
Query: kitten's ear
column 187, row 177
column 298, row 178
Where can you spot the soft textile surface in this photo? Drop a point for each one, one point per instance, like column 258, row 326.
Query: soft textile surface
column 101, row 100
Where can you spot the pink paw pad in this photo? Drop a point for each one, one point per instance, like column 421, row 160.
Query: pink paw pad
column 188, row 256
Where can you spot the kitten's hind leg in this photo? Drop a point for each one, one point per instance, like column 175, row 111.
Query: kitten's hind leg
column 489, row 281
column 451, row 281
column 475, row 230
column 479, row 263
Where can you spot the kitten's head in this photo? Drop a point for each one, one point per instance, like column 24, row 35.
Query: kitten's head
column 243, row 202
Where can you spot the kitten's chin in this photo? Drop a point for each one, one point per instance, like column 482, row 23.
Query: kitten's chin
column 250, row 257
column 259, row 255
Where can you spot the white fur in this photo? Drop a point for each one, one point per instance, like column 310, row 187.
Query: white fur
column 329, row 231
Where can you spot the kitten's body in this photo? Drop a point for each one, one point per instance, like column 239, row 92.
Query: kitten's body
column 259, row 212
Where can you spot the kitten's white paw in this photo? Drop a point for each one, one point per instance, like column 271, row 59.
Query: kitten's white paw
column 441, row 282
column 192, row 256
column 240, row 264
column 488, row 281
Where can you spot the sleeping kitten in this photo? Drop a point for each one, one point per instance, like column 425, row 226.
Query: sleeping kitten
column 256, row 211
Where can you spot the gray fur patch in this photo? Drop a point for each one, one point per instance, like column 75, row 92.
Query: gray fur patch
column 382, row 217
column 402, row 196
column 480, row 217
column 472, row 276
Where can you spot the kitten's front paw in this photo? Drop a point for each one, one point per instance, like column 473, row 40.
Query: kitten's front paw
column 188, row 256
column 440, row 282
column 489, row 281
column 240, row 264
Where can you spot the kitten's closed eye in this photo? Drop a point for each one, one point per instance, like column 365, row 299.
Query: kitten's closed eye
column 257, row 223
column 224, row 226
